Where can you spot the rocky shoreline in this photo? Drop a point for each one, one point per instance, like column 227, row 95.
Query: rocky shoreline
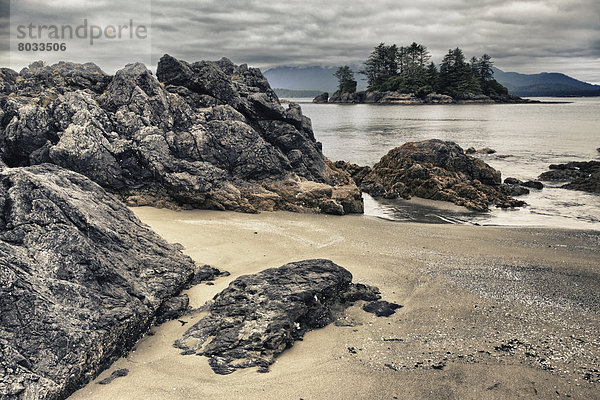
column 82, row 279
column 207, row 135
column 376, row 97
column 502, row 312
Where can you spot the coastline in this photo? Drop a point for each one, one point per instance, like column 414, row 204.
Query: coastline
column 459, row 334
column 458, row 103
column 398, row 98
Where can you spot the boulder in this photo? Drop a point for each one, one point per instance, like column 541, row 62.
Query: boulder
column 512, row 181
column 589, row 180
column 205, row 135
column 322, row 98
column 258, row 316
column 518, row 187
column 485, row 150
column 437, row 170
column 515, row 190
column 533, row 185
column 580, row 175
column 81, row 280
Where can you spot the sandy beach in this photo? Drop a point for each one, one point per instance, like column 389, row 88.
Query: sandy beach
column 488, row 312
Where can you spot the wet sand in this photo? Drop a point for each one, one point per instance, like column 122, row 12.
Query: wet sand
column 489, row 312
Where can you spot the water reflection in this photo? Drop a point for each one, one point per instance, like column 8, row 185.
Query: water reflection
column 527, row 138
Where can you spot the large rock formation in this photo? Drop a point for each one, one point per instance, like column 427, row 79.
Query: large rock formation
column 436, row 170
column 81, row 279
column 205, row 135
column 259, row 316
column 580, row 175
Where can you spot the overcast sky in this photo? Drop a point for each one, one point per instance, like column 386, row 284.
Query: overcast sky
column 522, row 36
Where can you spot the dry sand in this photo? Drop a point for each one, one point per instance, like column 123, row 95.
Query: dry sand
column 489, row 312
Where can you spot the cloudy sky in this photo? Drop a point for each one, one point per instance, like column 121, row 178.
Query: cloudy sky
column 523, row 36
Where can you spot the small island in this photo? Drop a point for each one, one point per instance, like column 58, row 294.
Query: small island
column 405, row 75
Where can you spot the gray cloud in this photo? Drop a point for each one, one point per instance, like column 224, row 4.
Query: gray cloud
column 526, row 36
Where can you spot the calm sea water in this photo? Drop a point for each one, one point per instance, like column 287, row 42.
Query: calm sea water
column 532, row 135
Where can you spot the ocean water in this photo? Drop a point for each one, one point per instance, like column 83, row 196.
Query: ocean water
column 533, row 136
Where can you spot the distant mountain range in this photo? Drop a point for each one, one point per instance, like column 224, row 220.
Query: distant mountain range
column 309, row 81
column 544, row 84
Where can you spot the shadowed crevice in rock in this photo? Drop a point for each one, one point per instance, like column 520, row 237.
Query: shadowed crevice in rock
column 258, row 316
column 203, row 135
column 81, row 280
column 437, row 170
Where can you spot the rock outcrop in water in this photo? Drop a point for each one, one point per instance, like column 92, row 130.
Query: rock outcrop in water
column 204, row 135
column 580, row 175
column 436, row 170
column 258, row 316
column 81, row 279
column 322, row 98
column 391, row 97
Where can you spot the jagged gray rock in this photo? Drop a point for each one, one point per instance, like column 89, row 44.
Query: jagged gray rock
column 258, row 316
column 206, row 135
column 81, row 279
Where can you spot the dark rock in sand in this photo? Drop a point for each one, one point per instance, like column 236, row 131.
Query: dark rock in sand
column 322, row 98
column 381, row 308
column 258, row 316
column 437, row 170
column 206, row 135
column 81, row 280
column 583, row 175
column 116, row 374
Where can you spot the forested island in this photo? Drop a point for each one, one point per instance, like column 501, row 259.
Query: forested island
column 405, row 75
